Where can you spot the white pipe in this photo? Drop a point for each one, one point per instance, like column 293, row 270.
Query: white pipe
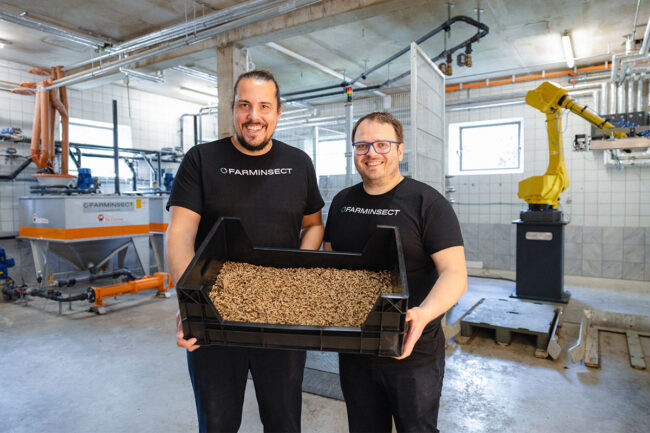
column 316, row 65
column 614, row 69
column 31, row 23
column 620, row 102
column 613, row 94
column 646, row 40
column 184, row 29
column 287, row 6
column 639, row 92
column 603, row 99
column 630, row 93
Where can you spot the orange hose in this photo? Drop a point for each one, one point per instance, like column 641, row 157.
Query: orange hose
column 524, row 78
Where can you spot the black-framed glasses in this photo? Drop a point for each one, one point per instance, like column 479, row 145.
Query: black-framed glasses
column 380, row 146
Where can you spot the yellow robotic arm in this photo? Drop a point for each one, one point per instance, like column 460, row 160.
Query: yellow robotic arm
column 543, row 192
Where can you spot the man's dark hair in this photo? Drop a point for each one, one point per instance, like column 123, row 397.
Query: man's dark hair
column 382, row 117
column 258, row 74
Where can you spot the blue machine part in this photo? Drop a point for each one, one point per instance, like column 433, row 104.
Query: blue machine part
column 84, row 179
column 168, row 181
column 5, row 264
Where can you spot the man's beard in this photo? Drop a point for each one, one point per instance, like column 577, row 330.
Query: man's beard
column 253, row 148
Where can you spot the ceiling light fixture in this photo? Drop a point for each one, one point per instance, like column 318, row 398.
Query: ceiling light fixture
column 132, row 73
column 196, row 73
column 193, row 93
column 568, row 50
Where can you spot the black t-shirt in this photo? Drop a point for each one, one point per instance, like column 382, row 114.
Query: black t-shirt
column 427, row 224
column 270, row 193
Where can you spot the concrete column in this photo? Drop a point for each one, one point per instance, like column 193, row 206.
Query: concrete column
column 231, row 62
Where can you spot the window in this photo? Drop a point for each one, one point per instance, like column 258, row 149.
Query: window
column 330, row 158
column 486, row 147
column 100, row 133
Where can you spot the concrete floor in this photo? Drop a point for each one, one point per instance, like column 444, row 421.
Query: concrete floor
column 122, row 372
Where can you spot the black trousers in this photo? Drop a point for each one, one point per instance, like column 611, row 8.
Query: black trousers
column 219, row 375
column 373, row 396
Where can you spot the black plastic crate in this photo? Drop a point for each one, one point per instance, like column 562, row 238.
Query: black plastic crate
column 381, row 334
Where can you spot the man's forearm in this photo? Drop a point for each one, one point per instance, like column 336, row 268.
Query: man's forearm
column 447, row 290
column 179, row 254
column 312, row 237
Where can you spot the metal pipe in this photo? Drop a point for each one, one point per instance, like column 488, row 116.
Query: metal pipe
column 636, row 17
column 179, row 30
column 630, row 93
column 603, row 99
column 31, row 23
column 639, row 92
column 16, row 172
column 285, row 7
column 484, row 30
column 159, row 156
column 315, row 64
column 348, row 142
column 580, row 78
column 614, row 70
column 620, row 102
column 116, row 152
column 315, row 145
column 612, row 96
column 646, row 40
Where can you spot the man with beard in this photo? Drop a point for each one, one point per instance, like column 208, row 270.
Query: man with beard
column 272, row 187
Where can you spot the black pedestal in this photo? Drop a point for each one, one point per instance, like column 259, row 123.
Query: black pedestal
column 540, row 261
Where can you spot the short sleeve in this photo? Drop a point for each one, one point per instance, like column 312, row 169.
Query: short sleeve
column 314, row 199
column 187, row 189
column 440, row 227
column 330, row 221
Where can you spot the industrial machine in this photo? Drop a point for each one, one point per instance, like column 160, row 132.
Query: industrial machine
column 540, row 229
column 67, row 217
column 5, row 264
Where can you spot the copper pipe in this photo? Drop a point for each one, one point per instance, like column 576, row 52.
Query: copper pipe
column 36, row 133
column 45, row 126
column 63, row 112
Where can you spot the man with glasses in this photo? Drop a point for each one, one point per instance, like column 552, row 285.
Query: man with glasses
column 406, row 388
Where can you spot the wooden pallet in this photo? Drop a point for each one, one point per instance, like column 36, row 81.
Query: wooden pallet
column 633, row 326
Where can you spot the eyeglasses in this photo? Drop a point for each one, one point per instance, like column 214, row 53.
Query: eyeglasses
column 380, row 146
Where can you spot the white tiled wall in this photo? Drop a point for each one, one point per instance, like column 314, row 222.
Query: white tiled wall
column 154, row 122
column 599, row 198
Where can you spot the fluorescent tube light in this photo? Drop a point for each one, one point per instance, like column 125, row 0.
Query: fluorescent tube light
column 568, row 50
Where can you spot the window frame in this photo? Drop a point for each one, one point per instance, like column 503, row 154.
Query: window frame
column 455, row 160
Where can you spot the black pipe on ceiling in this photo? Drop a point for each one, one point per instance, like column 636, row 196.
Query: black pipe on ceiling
column 483, row 30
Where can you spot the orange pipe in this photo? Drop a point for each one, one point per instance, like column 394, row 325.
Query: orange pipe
column 64, row 124
column 135, row 286
column 39, row 149
column 524, row 78
column 45, row 125
column 36, row 134
column 61, row 108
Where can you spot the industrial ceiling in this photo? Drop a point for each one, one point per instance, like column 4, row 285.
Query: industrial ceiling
column 524, row 37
